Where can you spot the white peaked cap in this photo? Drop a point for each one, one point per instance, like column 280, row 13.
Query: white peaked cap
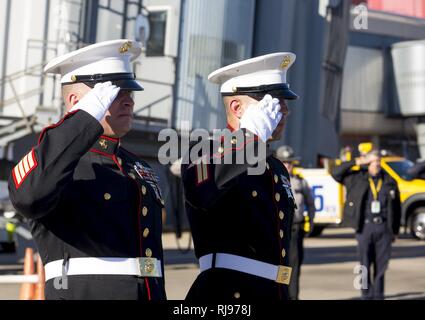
column 256, row 75
column 99, row 62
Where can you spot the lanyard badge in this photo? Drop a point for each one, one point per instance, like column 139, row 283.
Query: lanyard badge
column 375, row 206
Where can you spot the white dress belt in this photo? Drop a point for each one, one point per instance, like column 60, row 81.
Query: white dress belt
column 277, row 273
column 141, row 267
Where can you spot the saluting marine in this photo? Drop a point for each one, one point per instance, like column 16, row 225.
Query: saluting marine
column 241, row 223
column 372, row 208
column 94, row 208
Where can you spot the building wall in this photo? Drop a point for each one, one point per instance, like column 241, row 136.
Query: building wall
column 370, row 102
column 363, row 80
column 156, row 73
column 210, row 41
column 370, row 109
column 4, row 33
column 26, row 22
column 36, row 31
column 414, row 8
column 237, row 30
column 295, row 25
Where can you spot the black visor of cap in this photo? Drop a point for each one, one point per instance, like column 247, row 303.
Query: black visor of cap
column 126, row 81
column 275, row 90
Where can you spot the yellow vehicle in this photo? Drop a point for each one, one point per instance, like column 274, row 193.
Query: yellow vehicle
column 329, row 196
column 412, row 194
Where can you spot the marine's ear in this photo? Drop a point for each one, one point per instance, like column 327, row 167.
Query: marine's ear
column 235, row 107
column 70, row 96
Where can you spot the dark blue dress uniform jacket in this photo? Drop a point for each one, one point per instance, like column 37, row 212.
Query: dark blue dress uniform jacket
column 85, row 196
column 232, row 212
column 357, row 186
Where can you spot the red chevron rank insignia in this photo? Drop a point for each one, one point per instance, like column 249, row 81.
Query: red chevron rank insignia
column 23, row 168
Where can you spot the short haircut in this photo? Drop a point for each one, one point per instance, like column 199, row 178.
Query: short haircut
column 374, row 152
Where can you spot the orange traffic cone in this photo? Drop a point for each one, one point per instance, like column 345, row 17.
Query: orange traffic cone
column 39, row 287
column 27, row 289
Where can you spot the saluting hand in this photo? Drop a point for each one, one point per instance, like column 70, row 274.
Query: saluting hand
column 98, row 100
column 363, row 160
column 262, row 118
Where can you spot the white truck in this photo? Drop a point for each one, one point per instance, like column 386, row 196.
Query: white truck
column 328, row 198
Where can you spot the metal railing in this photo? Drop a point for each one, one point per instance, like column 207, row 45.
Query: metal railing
column 25, row 123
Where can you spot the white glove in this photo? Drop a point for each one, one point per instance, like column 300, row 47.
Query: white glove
column 262, row 118
column 98, row 100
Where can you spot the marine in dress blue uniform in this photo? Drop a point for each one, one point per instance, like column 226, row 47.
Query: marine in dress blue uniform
column 94, row 208
column 241, row 223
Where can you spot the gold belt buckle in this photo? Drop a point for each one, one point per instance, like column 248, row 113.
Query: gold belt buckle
column 148, row 267
column 283, row 275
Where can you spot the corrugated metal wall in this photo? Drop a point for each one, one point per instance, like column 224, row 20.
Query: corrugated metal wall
column 35, row 32
column 215, row 33
column 409, row 69
column 363, row 80
column 295, row 25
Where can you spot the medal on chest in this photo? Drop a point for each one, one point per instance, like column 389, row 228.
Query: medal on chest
column 148, row 175
column 286, row 184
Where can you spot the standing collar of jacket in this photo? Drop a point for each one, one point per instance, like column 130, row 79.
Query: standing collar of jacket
column 106, row 146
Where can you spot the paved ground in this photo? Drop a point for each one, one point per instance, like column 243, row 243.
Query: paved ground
column 328, row 272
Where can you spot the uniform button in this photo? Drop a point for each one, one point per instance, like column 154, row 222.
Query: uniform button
column 148, row 252
column 144, row 211
column 281, row 234
column 254, row 193
column 107, row 196
column 234, row 141
column 281, row 215
column 220, row 150
column 119, row 161
column 131, row 175
column 267, row 166
column 145, row 233
column 276, row 178
column 351, row 204
column 277, row 197
column 237, row 295
column 143, row 190
column 162, row 202
column 283, row 253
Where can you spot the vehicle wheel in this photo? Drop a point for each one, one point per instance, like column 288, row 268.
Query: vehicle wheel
column 417, row 223
column 317, row 231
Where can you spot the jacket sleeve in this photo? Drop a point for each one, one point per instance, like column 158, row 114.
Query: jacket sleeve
column 40, row 178
column 341, row 172
column 396, row 206
column 207, row 181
